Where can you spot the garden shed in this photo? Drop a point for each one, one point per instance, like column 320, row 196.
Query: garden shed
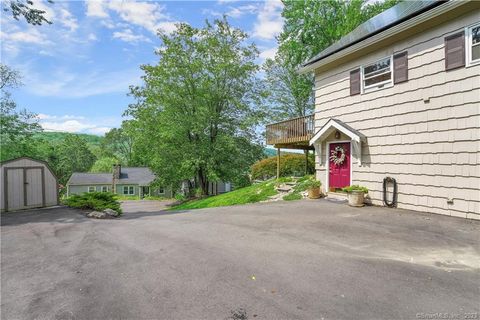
column 27, row 183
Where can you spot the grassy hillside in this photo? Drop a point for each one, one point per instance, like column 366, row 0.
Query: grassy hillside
column 254, row 193
column 56, row 137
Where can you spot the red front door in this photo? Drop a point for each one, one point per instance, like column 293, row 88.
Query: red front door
column 339, row 166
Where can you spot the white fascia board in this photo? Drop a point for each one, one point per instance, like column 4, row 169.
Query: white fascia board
column 331, row 123
column 384, row 34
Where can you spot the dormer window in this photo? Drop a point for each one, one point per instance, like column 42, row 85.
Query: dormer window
column 377, row 75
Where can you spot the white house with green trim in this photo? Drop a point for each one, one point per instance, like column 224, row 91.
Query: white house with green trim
column 128, row 181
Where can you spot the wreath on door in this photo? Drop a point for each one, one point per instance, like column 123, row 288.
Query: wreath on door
column 337, row 155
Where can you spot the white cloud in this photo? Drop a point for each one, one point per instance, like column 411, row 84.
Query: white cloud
column 43, row 116
column 145, row 14
column 268, row 53
column 66, row 126
column 226, row 1
column 96, row 8
column 269, row 20
column 32, row 36
column 74, row 126
column 68, row 20
column 128, row 36
column 237, row 12
column 167, row 27
column 210, row 12
column 77, row 124
column 72, row 85
column 99, row 130
column 148, row 15
column 92, row 37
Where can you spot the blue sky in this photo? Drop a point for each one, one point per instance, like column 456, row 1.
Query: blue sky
column 76, row 72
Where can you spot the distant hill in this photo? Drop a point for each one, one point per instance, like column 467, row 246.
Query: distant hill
column 270, row 152
column 94, row 140
column 56, row 137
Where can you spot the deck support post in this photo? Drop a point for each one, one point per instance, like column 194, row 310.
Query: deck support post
column 306, row 162
column 278, row 163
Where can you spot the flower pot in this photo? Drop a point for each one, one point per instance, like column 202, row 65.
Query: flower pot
column 355, row 198
column 314, row 193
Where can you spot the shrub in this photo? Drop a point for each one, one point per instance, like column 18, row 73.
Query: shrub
column 180, row 197
column 290, row 164
column 97, row 201
column 311, row 184
column 292, row 196
column 355, row 188
column 241, row 181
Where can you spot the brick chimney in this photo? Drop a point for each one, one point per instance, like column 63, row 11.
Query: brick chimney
column 117, row 170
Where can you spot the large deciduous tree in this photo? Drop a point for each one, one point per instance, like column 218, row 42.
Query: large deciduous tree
column 196, row 113
column 17, row 127
column 119, row 144
column 73, row 155
column 310, row 27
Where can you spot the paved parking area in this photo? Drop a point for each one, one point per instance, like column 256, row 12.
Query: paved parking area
column 289, row 260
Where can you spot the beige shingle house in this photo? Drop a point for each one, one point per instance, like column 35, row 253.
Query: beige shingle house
column 399, row 97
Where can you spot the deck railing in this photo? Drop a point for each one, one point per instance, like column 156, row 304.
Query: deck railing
column 291, row 131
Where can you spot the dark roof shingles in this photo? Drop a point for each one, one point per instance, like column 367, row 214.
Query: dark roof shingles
column 129, row 175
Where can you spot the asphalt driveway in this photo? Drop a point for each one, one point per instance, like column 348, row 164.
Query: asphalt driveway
column 289, row 260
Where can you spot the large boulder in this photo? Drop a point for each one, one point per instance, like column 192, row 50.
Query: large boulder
column 98, row 215
column 111, row 212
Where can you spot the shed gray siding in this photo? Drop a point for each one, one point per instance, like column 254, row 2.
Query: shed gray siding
column 424, row 132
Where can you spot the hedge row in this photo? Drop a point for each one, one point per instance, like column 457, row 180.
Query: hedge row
column 290, row 165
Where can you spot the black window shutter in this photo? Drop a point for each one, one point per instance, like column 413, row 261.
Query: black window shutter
column 400, row 67
column 355, row 82
column 455, row 51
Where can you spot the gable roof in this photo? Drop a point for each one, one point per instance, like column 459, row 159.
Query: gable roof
column 84, row 178
column 335, row 124
column 136, row 175
column 406, row 14
column 129, row 175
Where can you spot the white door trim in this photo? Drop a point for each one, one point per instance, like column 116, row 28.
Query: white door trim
column 327, row 162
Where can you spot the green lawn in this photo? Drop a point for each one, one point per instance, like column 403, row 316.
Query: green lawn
column 254, row 193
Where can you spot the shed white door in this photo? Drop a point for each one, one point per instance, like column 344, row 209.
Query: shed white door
column 33, row 187
column 25, row 188
column 15, row 186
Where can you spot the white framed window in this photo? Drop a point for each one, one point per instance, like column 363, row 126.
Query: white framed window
column 104, row 188
column 91, row 189
column 473, row 44
column 161, row 190
column 128, row 190
column 377, row 75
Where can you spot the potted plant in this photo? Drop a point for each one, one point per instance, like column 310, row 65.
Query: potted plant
column 313, row 188
column 356, row 195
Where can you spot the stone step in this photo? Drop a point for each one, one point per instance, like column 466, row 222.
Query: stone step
column 292, row 183
column 284, row 188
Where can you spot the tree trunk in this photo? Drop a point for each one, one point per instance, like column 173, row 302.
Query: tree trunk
column 202, row 181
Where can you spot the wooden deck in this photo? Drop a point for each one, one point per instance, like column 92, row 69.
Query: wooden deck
column 292, row 133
